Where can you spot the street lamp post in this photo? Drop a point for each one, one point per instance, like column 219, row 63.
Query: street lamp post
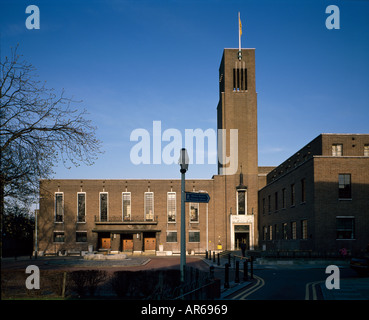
column 183, row 162
column 37, row 211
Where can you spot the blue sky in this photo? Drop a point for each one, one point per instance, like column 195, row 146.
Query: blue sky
column 135, row 62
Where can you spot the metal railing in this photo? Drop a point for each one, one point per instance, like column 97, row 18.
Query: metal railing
column 126, row 219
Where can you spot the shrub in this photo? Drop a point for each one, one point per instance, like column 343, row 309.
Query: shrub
column 87, row 280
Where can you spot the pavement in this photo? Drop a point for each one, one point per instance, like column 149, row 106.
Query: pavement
column 350, row 289
column 219, row 272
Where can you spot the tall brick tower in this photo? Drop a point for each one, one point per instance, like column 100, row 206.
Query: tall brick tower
column 238, row 157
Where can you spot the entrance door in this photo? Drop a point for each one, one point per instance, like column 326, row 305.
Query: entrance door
column 127, row 245
column 241, row 237
column 150, row 244
column 105, row 243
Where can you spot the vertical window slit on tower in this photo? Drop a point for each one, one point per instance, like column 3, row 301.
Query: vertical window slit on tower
column 242, row 87
column 234, row 79
column 239, row 79
column 245, row 71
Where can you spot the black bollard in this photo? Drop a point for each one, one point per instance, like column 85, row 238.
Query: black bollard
column 237, row 276
column 245, row 271
column 209, row 254
column 213, row 256
column 206, row 254
column 218, row 259
column 226, row 276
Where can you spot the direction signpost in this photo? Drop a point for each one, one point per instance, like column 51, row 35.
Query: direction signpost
column 186, row 197
column 197, row 197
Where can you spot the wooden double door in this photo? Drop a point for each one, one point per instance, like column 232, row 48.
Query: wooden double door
column 145, row 241
column 149, row 241
column 127, row 245
column 149, row 244
column 105, row 243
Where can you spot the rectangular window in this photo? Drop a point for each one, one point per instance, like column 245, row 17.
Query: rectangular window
column 293, row 230
column 59, row 207
column 126, row 206
column 284, row 198
column 337, row 150
column 292, row 194
column 269, row 204
column 103, row 206
column 304, row 231
column 194, row 212
column 149, row 206
column 276, row 232
column 263, row 205
column 58, row 236
column 345, row 228
column 171, row 236
column 284, row 231
column 81, row 236
column 366, row 150
column 241, row 197
column 194, row 236
column 270, row 232
column 276, row 201
column 303, row 192
column 81, row 210
column 242, row 228
column 344, row 186
column 171, row 206
column 265, row 233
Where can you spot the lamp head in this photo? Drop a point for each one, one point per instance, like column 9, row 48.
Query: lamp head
column 183, row 160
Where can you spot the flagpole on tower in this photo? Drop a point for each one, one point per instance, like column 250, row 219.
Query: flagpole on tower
column 239, row 36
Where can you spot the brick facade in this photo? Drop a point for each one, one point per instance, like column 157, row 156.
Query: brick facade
column 222, row 224
column 332, row 222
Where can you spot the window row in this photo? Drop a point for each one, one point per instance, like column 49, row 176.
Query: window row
column 193, row 236
column 345, row 230
column 81, row 236
column 126, row 207
column 337, row 150
column 279, row 200
column 286, row 231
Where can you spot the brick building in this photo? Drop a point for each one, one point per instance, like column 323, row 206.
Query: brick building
column 142, row 215
column 318, row 199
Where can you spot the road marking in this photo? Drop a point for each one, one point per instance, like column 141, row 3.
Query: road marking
column 259, row 283
column 311, row 285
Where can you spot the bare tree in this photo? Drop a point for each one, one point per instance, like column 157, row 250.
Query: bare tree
column 38, row 129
